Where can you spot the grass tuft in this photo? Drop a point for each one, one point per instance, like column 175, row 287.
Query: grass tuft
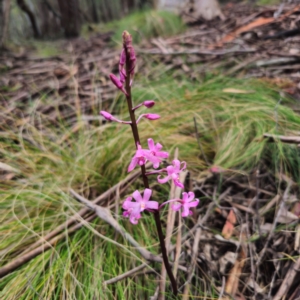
column 146, row 25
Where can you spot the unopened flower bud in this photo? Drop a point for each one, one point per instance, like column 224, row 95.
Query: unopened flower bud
column 118, row 83
column 107, row 115
column 122, row 59
column 151, row 116
column 115, row 80
column 149, row 103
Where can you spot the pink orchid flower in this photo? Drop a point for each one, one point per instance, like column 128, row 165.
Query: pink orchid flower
column 185, row 204
column 173, row 173
column 133, row 209
column 155, row 151
column 140, row 158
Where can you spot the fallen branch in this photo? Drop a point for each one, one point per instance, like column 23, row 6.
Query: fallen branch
column 198, row 51
column 126, row 274
column 282, row 138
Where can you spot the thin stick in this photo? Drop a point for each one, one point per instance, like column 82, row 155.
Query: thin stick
column 282, row 138
column 279, row 212
column 222, row 289
column 179, row 236
column 199, row 143
column 125, row 275
column 169, row 230
column 288, row 280
column 193, row 260
column 256, row 202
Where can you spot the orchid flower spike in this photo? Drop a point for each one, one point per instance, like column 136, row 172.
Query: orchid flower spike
column 173, row 173
column 129, row 50
column 133, row 209
column 185, row 204
column 110, row 117
column 155, row 151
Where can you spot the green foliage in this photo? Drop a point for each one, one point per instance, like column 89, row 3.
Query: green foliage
column 93, row 158
column 147, row 24
column 268, row 2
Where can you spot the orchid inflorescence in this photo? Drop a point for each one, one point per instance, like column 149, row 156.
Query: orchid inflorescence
column 153, row 154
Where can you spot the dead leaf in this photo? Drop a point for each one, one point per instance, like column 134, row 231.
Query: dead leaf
column 229, row 225
column 235, row 273
column 8, row 168
column 237, row 91
column 296, row 209
column 286, row 216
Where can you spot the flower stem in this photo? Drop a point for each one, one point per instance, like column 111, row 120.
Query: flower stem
column 136, row 137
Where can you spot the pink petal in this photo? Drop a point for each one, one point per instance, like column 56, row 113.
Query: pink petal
column 193, row 204
column 158, row 146
column 163, row 154
column 126, row 203
column 185, row 211
column 137, row 196
column 135, row 215
column 147, row 194
column 132, row 164
column 156, row 165
column 185, row 196
column 142, row 161
column 163, row 180
column 170, row 170
column 176, row 164
column 191, row 196
column 152, row 205
column 178, row 183
column 176, row 206
column 125, row 213
column 133, row 219
column 151, row 144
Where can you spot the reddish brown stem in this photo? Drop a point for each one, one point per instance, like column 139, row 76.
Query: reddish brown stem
column 136, row 137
